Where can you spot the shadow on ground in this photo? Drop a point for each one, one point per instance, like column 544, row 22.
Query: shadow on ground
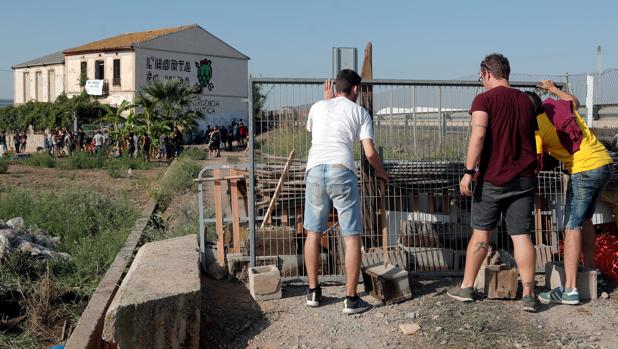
column 229, row 314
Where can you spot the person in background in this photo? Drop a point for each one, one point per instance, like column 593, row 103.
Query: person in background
column 563, row 134
column 23, row 140
column 230, row 138
column 502, row 144
column 178, row 140
column 163, row 147
column 146, row 142
column 81, row 136
column 130, row 145
column 16, row 143
column 214, row 145
column 3, row 147
column 98, row 142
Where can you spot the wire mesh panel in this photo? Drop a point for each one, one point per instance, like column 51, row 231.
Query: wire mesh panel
column 421, row 130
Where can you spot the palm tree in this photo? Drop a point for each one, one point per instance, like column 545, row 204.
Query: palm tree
column 171, row 100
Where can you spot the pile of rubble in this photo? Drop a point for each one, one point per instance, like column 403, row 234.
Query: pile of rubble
column 14, row 237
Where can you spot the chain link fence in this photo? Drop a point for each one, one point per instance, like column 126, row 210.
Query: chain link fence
column 421, row 130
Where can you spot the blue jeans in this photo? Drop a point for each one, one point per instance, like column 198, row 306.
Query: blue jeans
column 583, row 191
column 328, row 186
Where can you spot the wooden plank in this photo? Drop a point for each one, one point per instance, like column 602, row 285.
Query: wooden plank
column 235, row 211
column 219, row 218
column 273, row 201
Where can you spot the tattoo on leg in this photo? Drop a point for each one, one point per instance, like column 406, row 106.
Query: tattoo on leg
column 481, row 245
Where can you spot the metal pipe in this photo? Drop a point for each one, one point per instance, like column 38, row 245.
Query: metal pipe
column 251, row 145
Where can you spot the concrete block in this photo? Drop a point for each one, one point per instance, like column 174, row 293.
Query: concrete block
column 500, row 282
column 158, row 303
column 430, row 259
column 265, row 283
column 586, row 279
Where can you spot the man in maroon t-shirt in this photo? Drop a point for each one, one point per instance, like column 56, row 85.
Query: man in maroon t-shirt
column 502, row 144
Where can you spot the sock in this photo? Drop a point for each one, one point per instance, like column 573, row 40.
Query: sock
column 314, row 289
column 353, row 298
column 570, row 291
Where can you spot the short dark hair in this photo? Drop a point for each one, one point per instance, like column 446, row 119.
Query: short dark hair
column 498, row 65
column 346, row 79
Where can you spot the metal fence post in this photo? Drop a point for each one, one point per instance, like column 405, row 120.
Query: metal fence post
column 200, row 197
column 589, row 100
column 251, row 145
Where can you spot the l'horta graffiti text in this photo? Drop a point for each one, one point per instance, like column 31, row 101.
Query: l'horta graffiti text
column 173, row 69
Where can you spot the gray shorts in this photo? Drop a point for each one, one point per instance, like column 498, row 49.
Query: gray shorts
column 514, row 200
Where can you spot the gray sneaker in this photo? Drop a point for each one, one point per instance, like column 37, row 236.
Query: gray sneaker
column 461, row 294
column 529, row 303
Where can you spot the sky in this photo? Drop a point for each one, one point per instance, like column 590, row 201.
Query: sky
column 411, row 39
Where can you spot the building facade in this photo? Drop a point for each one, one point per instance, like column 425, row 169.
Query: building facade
column 127, row 62
column 40, row 79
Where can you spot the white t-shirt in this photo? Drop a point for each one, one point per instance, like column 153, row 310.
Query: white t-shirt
column 336, row 125
column 98, row 139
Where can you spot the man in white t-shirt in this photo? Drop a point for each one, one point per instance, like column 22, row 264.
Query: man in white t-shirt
column 98, row 142
column 336, row 124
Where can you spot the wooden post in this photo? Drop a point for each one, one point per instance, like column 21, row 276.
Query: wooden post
column 367, row 180
column 219, row 218
column 235, row 211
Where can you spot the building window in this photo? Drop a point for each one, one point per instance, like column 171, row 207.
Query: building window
column 51, row 86
column 38, row 93
column 116, row 80
column 99, row 70
column 26, row 87
column 83, row 73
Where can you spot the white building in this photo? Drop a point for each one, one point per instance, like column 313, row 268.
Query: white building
column 40, row 79
column 126, row 62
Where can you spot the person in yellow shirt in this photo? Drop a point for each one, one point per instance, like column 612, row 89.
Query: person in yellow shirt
column 563, row 134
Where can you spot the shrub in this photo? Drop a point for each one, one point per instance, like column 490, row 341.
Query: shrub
column 178, row 178
column 82, row 161
column 195, row 154
column 41, row 160
column 4, row 166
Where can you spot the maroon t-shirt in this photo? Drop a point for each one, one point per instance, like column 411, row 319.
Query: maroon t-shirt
column 509, row 150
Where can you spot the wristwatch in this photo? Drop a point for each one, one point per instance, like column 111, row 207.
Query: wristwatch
column 471, row 172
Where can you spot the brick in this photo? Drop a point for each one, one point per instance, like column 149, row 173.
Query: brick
column 265, row 283
column 500, row 282
column 586, row 279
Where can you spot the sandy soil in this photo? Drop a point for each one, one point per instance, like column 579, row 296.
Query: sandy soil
column 234, row 320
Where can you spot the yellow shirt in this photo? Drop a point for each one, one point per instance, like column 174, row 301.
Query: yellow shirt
column 591, row 154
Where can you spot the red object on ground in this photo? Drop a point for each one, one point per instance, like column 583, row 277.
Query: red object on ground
column 606, row 255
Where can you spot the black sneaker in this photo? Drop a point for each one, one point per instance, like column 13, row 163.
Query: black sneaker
column 354, row 306
column 314, row 297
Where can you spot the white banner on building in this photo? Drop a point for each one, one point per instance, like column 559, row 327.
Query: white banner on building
column 94, row 87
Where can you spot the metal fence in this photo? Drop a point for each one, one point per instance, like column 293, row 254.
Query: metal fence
column 421, row 130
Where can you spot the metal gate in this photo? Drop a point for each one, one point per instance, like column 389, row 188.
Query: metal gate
column 421, row 129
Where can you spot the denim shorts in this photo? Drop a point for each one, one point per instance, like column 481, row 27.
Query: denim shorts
column 514, row 201
column 583, row 191
column 328, row 186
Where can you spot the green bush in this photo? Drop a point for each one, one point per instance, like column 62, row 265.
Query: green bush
column 40, row 160
column 178, row 178
column 92, row 229
column 81, row 161
column 195, row 154
column 4, row 166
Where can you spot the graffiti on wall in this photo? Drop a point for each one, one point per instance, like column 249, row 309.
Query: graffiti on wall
column 177, row 69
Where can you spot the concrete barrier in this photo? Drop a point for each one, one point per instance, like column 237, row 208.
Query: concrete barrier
column 158, row 303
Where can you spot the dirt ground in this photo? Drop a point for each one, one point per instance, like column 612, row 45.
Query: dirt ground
column 233, row 320
column 36, row 179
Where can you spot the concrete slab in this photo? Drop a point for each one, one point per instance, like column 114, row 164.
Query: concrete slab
column 158, row 302
column 586, row 281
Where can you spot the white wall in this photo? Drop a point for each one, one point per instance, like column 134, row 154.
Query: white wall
column 48, row 93
column 224, row 98
column 117, row 93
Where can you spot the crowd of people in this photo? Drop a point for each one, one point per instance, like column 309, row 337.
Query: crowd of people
column 20, row 140
column 234, row 135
